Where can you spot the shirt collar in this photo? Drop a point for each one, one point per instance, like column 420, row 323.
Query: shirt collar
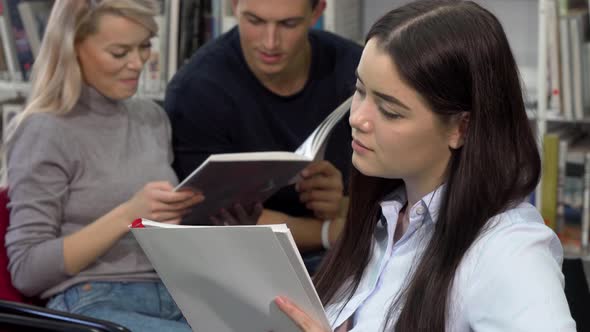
column 393, row 203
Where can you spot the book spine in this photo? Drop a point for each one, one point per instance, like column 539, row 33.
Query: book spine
column 586, row 205
column 577, row 42
column 566, row 77
column 586, row 77
column 554, row 56
column 173, row 24
column 152, row 76
column 550, row 179
column 561, row 179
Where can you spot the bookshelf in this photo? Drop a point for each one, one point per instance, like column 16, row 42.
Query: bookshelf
column 563, row 120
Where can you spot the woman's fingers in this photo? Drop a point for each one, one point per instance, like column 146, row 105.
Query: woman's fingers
column 301, row 319
column 183, row 204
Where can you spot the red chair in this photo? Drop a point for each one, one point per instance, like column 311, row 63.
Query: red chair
column 18, row 314
column 7, row 291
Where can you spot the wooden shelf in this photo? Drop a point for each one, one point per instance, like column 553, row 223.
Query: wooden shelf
column 15, row 87
column 25, row 88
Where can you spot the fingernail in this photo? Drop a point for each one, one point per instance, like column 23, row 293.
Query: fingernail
column 280, row 300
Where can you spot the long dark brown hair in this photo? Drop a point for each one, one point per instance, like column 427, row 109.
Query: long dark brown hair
column 455, row 54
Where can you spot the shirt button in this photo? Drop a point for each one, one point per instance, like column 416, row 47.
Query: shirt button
column 420, row 210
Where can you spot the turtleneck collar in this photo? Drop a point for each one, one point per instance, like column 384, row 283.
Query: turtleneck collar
column 93, row 100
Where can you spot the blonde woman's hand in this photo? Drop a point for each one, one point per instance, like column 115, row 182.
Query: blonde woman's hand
column 301, row 319
column 321, row 189
column 157, row 201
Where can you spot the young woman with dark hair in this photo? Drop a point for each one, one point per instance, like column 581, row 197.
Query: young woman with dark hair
column 438, row 234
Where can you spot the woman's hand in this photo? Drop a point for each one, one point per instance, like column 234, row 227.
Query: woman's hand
column 303, row 321
column 321, row 189
column 157, row 201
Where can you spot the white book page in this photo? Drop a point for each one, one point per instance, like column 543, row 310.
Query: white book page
column 270, row 155
column 288, row 243
column 314, row 145
column 226, row 278
column 277, row 228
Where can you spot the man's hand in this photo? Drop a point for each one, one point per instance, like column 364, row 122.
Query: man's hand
column 321, row 189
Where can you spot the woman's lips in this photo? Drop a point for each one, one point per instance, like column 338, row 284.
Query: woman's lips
column 357, row 146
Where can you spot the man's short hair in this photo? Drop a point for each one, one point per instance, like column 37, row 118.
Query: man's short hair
column 314, row 3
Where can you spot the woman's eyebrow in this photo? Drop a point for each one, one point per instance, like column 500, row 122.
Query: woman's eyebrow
column 383, row 96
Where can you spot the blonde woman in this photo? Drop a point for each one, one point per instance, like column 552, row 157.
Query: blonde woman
column 84, row 161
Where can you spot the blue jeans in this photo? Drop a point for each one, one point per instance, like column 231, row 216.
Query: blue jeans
column 139, row 306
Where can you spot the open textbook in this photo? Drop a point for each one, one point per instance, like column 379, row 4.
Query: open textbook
column 226, row 278
column 250, row 177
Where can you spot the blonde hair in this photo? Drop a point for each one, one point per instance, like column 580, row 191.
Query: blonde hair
column 56, row 75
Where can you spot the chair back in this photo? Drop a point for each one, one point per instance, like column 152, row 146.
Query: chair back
column 7, row 291
column 577, row 292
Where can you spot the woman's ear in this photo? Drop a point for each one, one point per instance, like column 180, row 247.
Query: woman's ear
column 460, row 124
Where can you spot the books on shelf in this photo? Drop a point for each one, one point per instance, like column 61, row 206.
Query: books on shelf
column 250, row 177
column 576, row 205
column 565, row 187
column 568, row 25
column 225, row 278
column 22, row 46
column 34, row 15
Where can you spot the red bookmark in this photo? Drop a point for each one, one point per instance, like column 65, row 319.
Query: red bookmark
column 137, row 224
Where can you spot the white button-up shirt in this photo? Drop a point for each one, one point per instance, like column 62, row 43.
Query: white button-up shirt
column 509, row 280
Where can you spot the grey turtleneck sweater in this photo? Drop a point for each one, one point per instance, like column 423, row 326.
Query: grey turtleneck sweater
column 64, row 172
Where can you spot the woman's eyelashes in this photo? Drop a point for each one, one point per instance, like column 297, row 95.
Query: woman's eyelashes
column 119, row 54
column 360, row 90
column 389, row 114
column 383, row 109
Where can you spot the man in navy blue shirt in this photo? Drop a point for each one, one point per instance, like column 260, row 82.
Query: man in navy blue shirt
column 265, row 86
